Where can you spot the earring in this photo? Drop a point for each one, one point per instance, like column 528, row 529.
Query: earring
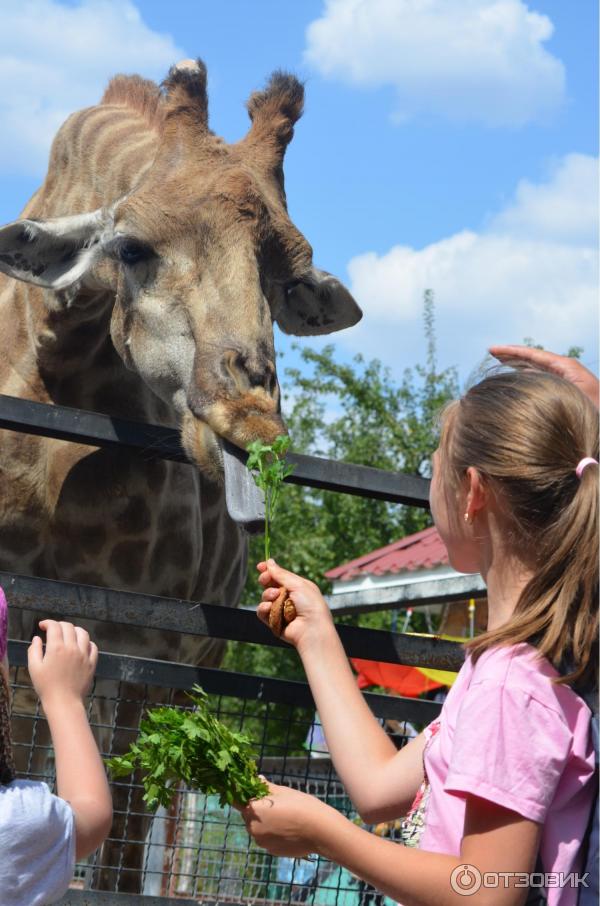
column 468, row 518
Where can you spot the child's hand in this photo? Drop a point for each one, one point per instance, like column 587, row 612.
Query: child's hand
column 312, row 613
column 64, row 672
column 287, row 822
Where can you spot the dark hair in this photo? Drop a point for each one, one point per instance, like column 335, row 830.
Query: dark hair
column 525, row 432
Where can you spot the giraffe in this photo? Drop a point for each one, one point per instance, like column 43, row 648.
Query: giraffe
column 142, row 280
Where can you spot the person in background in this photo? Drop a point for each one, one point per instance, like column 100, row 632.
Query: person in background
column 41, row 835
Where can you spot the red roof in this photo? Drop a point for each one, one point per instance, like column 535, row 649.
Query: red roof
column 423, row 550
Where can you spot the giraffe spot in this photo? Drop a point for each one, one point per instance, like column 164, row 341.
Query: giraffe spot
column 87, row 540
column 212, row 493
column 39, row 567
column 19, row 539
column 172, row 518
column 171, row 551
column 91, row 538
column 127, row 559
column 135, row 517
column 156, row 474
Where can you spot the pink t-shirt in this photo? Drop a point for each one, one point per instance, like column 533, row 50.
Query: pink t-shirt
column 506, row 733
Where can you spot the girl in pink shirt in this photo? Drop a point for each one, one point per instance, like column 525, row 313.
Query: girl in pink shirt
column 501, row 784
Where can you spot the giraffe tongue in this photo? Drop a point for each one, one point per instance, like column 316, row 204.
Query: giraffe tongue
column 245, row 502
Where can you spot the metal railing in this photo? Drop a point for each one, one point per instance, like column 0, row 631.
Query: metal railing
column 98, row 430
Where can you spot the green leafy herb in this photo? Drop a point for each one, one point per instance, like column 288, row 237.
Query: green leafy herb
column 191, row 746
column 269, row 469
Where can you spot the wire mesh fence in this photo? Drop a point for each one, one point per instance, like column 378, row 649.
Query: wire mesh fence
column 196, row 850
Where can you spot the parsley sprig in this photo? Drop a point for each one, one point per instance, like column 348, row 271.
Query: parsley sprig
column 269, row 469
column 191, row 746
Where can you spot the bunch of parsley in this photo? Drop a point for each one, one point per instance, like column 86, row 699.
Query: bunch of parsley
column 191, row 746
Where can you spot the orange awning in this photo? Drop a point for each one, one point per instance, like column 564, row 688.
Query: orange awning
column 409, row 681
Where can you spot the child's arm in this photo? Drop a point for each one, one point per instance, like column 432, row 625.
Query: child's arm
column 381, row 781
column 62, row 677
column 495, row 839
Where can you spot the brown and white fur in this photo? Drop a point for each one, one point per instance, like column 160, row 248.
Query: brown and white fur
column 142, row 281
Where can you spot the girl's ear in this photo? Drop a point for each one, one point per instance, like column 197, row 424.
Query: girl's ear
column 477, row 493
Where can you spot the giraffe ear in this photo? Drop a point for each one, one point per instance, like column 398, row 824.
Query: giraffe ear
column 316, row 305
column 52, row 253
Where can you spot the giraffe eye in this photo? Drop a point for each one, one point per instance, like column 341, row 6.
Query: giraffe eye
column 132, row 251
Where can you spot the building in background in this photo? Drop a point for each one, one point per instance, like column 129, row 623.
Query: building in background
column 409, row 574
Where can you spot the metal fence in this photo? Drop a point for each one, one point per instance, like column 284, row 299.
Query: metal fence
column 198, row 852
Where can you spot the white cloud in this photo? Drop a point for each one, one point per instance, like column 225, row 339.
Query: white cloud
column 565, row 207
column 55, row 59
column 481, row 60
column 531, row 272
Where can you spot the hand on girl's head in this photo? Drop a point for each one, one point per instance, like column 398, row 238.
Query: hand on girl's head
column 66, row 668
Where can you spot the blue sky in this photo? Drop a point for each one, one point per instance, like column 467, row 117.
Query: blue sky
column 450, row 144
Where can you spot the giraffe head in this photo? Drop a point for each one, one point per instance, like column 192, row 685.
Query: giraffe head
column 202, row 258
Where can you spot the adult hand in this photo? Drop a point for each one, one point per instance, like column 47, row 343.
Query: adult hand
column 565, row 367
column 64, row 672
column 313, row 616
column 288, row 822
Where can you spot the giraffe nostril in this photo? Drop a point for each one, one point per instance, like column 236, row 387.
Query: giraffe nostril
column 247, row 372
column 271, row 381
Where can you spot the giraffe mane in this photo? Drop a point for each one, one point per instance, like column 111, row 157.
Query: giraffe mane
column 136, row 93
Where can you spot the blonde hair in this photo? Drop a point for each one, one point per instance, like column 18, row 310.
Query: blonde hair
column 525, row 432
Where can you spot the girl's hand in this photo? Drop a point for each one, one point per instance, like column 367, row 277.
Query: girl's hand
column 64, row 672
column 313, row 617
column 287, row 822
